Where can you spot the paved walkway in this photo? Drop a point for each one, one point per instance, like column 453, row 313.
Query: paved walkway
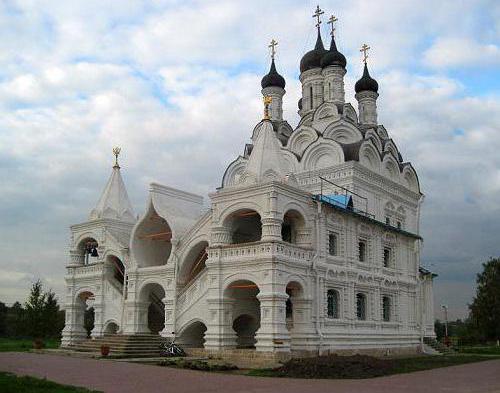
column 110, row 376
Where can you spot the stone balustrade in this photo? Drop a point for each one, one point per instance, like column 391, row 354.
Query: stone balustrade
column 260, row 249
column 191, row 292
column 86, row 270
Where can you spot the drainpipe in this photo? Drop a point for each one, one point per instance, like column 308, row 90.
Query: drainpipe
column 174, row 305
column 422, row 313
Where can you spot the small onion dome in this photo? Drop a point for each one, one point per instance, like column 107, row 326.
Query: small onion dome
column 273, row 78
column 312, row 59
column 300, row 104
column 366, row 83
column 333, row 57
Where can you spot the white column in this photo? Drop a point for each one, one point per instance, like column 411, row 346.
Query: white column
column 273, row 334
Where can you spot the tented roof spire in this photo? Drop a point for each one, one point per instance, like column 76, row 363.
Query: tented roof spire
column 114, row 202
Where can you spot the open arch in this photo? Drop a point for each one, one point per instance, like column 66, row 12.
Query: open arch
column 295, row 292
column 84, row 311
column 115, row 270
column 151, row 296
column 246, row 326
column 292, row 226
column 245, row 311
column 193, row 335
column 152, row 240
column 87, row 250
column 193, row 263
column 111, row 327
column 245, row 226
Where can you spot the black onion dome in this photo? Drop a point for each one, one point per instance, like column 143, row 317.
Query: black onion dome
column 312, row 59
column 273, row 78
column 366, row 83
column 333, row 57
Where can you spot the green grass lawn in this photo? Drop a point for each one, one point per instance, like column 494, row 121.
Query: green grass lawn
column 341, row 367
column 481, row 350
column 10, row 383
column 24, row 344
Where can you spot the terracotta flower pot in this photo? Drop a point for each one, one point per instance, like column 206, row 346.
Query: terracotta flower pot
column 104, row 350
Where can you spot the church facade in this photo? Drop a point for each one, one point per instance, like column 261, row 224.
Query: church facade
column 311, row 243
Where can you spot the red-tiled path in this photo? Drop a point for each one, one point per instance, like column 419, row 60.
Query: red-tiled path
column 110, row 376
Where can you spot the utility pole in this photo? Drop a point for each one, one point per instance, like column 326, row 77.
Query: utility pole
column 445, row 310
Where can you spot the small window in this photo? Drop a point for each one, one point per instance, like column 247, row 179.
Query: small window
column 387, row 221
column 362, row 251
column 311, row 95
column 289, row 305
column 361, row 306
column 332, row 244
column 386, row 308
column 387, row 257
column 399, row 225
column 333, row 303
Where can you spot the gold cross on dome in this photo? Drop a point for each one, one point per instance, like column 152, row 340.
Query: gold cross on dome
column 116, row 152
column 317, row 14
column 273, row 46
column 331, row 22
column 364, row 49
column 267, row 101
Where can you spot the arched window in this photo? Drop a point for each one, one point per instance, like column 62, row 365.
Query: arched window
column 386, row 308
column 361, row 306
column 311, row 95
column 333, row 303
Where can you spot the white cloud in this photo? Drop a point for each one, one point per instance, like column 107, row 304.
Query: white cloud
column 461, row 52
column 177, row 85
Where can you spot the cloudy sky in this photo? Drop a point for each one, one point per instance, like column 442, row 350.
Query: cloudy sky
column 176, row 84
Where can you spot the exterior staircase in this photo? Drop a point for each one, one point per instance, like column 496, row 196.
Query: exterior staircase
column 438, row 346
column 130, row 346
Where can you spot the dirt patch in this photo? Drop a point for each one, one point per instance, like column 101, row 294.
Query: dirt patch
column 335, row 366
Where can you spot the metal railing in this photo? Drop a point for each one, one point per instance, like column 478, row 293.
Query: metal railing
column 330, row 192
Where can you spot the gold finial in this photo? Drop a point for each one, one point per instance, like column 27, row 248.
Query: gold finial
column 267, row 101
column 317, row 14
column 331, row 22
column 116, row 152
column 273, row 46
column 364, row 49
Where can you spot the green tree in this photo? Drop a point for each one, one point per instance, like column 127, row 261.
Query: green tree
column 51, row 316
column 35, row 309
column 485, row 308
column 3, row 319
column 16, row 326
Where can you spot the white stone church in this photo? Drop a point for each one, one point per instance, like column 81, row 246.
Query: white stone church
column 311, row 244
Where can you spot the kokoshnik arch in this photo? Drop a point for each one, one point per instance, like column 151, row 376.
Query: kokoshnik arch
column 311, row 243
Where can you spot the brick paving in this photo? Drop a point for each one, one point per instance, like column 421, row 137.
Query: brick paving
column 122, row 377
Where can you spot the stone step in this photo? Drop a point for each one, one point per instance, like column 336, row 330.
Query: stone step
column 143, row 345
